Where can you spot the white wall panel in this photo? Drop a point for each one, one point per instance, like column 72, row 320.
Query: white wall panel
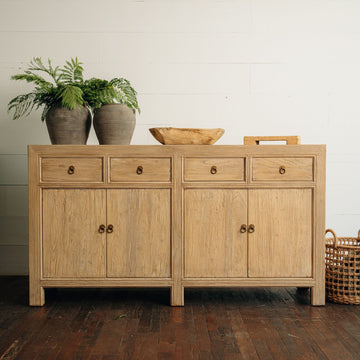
column 13, row 169
column 126, row 16
column 253, row 67
column 14, row 260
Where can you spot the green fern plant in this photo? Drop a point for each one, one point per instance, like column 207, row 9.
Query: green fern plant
column 54, row 86
column 98, row 92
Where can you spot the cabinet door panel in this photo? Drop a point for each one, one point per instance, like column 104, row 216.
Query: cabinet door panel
column 139, row 245
column 72, row 245
column 281, row 244
column 214, row 246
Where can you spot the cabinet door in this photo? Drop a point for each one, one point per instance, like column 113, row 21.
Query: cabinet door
column 139, row 245
column 214, row 245
column 72, row 244
column 281, row 244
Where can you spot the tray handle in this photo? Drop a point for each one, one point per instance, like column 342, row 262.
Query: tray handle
column 255, row 140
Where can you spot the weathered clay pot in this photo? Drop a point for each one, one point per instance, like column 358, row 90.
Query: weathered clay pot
column 114, row 124
column 68, row 126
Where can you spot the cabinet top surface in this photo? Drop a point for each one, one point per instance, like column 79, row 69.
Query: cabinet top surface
column 202, row 150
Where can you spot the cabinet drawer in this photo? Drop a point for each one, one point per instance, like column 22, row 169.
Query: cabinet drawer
column 72, row 169
column 282, row 169
column 140, row 169
column 214, row 169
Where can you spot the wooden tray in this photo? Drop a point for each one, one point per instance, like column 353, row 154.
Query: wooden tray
column 255, row 140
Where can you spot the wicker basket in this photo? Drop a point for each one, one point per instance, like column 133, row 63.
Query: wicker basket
column 342, row 264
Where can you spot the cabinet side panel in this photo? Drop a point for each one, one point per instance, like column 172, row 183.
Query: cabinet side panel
column 281, row 245
column 72, row 244
column 214, row 246
column 36, row 291
column 139, row 246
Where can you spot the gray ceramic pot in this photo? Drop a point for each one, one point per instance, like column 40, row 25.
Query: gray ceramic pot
column 68, row 126
column 114, row 124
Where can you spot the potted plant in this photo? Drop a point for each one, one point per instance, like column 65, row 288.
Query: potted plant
column 67, row 117
column 114, row 104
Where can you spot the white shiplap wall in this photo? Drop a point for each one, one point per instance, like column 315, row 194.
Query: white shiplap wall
column 253, row 67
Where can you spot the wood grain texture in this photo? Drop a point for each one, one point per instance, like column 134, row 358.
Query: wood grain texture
column 232, row 323
column 72, row 245
column 294, row 169
column 126, row 169
column 319, row 203
column 177, row 245
column 139, row 246
column 36, row 291
column 224, row 169
column 85, row 169
column 282, row 243
column 214, row 246
column 255, row 140
column 203, row 261
column 186, row 136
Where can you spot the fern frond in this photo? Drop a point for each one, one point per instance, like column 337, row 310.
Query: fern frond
column 22, row 105
column 32, row 78
column 72, row 72
column 125, row 93
column 37, row 65
column 71, row 97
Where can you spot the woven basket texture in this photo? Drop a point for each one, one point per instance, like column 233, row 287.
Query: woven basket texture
column 342, row 269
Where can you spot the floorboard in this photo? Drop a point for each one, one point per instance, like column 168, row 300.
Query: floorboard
column 139, row 324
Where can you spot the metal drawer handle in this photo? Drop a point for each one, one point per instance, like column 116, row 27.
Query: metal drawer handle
column 139, row 170
column 110, row 229
column 71, row 169
column 101, row 229
column 251, row 228
column 213, row 170
column 243, row 228
column 282, row 170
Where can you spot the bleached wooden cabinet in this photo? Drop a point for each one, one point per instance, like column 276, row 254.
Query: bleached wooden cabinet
column 139, row 242
column 176, row 217
column 72, row 246
column 213, row 243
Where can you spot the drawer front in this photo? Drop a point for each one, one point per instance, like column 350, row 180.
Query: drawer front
column 214, row 169
column 72, row 169
column 140, row 169
column 282, row 169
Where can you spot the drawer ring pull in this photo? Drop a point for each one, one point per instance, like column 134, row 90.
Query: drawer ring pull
column 101, row 228
column 251, row 228
column 282, row 170
column 213, row 170
column 110, row 229
column 139, row 170
column 71, row 170
column 243, row 228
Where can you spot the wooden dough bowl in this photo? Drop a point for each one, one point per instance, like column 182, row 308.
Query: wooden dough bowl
column 186, row 136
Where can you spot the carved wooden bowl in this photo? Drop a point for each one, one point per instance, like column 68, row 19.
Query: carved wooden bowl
column 186, row 136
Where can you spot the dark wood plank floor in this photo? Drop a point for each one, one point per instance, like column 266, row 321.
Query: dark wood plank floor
column 221, row 324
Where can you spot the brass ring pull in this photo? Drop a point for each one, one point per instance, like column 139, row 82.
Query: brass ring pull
column 243, row 228
column 101, row 229
column 139, row 170
column 251, row 228
column 213, row 170
column 110, row 229
column 71, row 170
column 282, row 170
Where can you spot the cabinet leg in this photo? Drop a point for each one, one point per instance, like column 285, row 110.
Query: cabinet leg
column 318, row 295
column 177, row 295
column 36, row 295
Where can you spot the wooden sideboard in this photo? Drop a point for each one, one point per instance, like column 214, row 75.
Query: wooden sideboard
column 176, row 216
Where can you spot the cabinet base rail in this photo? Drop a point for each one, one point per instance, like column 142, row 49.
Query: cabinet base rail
column 37, row 293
